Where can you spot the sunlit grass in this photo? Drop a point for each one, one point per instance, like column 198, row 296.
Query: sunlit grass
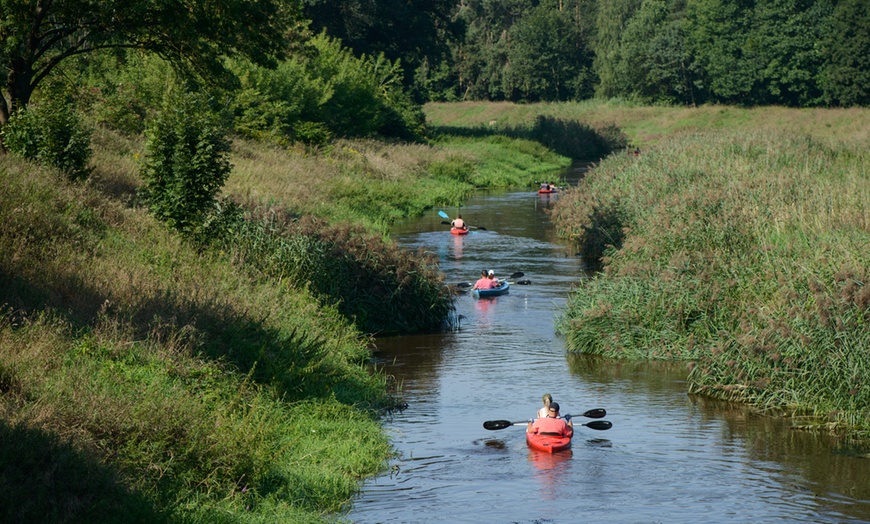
column 746, row 252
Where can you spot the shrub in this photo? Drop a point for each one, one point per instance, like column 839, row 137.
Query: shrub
column 186, row 163
column 53, row 134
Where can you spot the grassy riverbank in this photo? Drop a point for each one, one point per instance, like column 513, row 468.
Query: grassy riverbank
column 169, row 381
column 739, row 239
column 745, row 252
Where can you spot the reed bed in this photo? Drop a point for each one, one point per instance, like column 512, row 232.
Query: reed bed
column 747, row 253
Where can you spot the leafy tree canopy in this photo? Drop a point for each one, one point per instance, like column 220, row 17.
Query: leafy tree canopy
column 36, row 36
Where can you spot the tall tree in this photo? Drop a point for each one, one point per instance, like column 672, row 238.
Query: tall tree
column 548, row 59
column 611, row 20
column 36, row 36
column 413, row 31
column 846, row 78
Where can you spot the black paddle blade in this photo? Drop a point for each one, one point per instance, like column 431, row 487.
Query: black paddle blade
column 518, row 274
column 497, row 424
column 595, row 413
column 524, row 282
column 446, row 223
column 598, row 424
column 463, row 284
column 480, row 228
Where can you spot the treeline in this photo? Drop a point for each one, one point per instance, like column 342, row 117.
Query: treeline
column 754, row 52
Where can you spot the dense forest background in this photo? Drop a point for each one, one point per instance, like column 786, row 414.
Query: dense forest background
column 313, row 70
column 754, row 52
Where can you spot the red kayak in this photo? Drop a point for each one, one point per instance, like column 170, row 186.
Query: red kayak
column 549, row 443
column 545, row 191
column 458, row 231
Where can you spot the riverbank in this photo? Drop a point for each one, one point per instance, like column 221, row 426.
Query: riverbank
column 167, row 381
column 737, row 240
column 744, row 252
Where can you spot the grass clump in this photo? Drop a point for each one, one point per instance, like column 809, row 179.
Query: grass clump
column 743, row 252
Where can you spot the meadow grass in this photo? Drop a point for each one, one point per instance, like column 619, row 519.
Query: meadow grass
column 142, row 380
column 645, row 126
column 747, row 252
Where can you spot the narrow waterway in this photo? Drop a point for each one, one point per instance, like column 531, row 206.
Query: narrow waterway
column 668, row 458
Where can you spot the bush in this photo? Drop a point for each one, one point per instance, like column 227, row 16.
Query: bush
column 186, row 163
column 53, row 134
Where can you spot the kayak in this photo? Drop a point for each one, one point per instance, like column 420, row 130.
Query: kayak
column 548, row 443
column 494, row 292
column 458, row 231
column 545, row 191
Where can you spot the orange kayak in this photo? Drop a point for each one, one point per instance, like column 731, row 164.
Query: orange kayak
column 458, row 231
column 549, row 443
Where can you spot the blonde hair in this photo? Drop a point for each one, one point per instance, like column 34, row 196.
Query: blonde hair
column 547, row 398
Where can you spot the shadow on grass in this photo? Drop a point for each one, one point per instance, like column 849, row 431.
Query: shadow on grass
column 43, row 480
column 292, row 362
column 570, row 138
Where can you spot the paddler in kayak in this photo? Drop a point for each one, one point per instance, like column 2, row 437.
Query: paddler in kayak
column 552, row 424
column 483, row 282
column 458, row 223
column 547, row 399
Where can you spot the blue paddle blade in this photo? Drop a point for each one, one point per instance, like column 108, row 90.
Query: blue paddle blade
column 442, row 214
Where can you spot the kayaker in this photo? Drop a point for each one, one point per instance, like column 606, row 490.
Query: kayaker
column 552, row 424
column 547, row 399
column 483, row 282
column 458, row 223
column 494, row 282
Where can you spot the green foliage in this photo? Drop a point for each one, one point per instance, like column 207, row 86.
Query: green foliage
column 34, row 42
column 53, row 134
column 846, row 77
column 186, row 164
column 745, row 253
column 548, row 59
column 329, row 93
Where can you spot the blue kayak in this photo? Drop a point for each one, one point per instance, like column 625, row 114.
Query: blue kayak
column 494, row 292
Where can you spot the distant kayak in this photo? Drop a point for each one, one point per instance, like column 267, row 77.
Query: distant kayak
column 458, row 231
column 545, row 191
column 494, row 292
column 548, row 443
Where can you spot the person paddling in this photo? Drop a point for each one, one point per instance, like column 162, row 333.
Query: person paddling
column 483, row 282
column 547, row 399
column 552, row 424
column 458, row 223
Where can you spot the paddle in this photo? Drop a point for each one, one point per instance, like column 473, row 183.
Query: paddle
column 518, row 274
column 446, row 223
column 442, row 214
column 592, row 413
column 501, row 424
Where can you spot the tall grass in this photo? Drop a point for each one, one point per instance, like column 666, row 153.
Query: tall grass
column 745, row 252
column 143, row 381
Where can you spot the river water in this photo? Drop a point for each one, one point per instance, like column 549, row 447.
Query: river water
column 669, row 457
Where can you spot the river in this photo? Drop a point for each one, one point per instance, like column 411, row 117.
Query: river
column 669, row 457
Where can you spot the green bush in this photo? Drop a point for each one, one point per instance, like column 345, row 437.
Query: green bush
column 186, row 163
column 53, row 134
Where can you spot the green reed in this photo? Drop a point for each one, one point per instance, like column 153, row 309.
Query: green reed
column 743, row 252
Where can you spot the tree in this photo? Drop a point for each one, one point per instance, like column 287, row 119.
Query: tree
column 546, row 56
column 36, row 36
column 611, row 19
column 846, row 79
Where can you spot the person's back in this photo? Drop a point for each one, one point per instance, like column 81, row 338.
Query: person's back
column 483, row 282
column 458, row 223
column 549, row 425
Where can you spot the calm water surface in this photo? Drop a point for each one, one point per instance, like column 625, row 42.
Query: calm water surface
column 668, row 458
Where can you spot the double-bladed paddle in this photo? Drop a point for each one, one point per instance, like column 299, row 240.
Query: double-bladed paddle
column 518, row 274
column 592, row 413
column 446, row 223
